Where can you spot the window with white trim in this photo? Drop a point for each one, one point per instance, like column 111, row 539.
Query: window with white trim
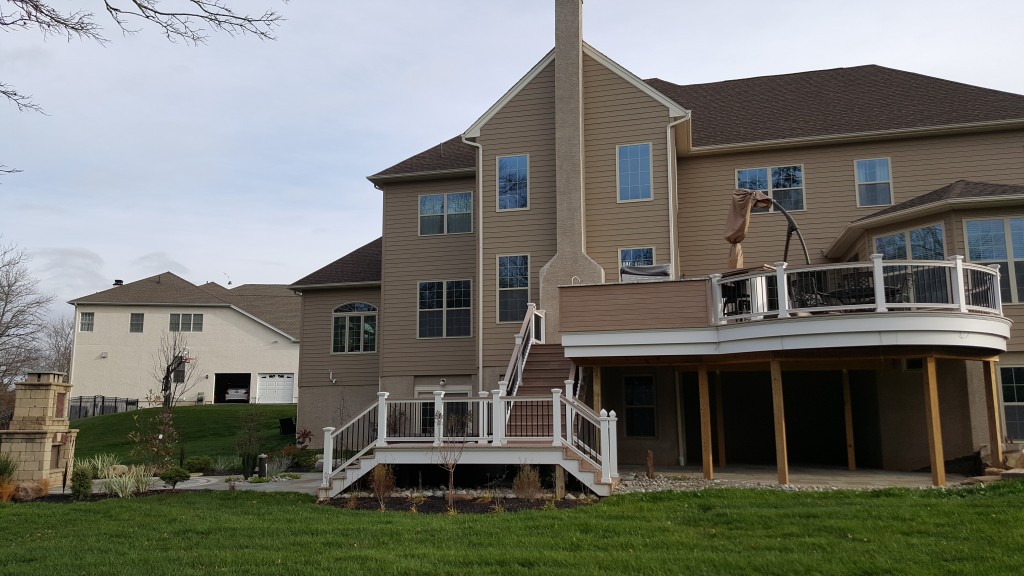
column 513, row 287
column 186, row 323
column 354, row 328
column 450, row 213
column 135, row 322
column 86, row 321
column 513, row 182
column 784, row 184
column 925, row 243
column 641, row 412
column 874, row 182
column 445, row 309
column 1012, row 380
column 636, row 257
column 999, row 241
column 634, row 172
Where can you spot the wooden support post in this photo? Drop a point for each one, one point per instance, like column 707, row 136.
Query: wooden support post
column 995, row 420
column 597, row 389
column 720, row 419
column 705, row 423
column 931, row 407
column 851, row 455
column 781, row 460
column 559, row 482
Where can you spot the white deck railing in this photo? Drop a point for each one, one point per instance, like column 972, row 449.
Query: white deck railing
column 875, row 286
column 530, row 332
column 559, row 419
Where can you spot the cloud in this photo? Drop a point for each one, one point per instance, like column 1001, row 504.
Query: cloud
column 157, row 262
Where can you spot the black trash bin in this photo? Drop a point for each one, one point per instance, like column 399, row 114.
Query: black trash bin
column 287, row 426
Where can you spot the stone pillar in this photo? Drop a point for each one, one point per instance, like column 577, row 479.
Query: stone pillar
column 39, row 438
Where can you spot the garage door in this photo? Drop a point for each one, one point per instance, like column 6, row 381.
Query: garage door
column 275, row 388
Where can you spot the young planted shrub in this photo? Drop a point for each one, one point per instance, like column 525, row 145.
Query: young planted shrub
column 202, row 464
column 8, row 467
column 382, row 482
column 173, row 475
column 248, row 441
column 527, row 483
column 81, row 483
column 226, row 465
column 102, row 465
column 155, row 439
column 136, row 481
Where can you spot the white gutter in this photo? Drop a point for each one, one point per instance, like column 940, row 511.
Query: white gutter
column 479, row 264
column 673, row 232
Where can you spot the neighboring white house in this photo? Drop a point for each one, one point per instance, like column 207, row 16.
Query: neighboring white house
column 243, row 341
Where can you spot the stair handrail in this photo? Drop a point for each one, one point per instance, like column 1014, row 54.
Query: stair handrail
column 330, row 434
column 525, row 338
column 596, row 455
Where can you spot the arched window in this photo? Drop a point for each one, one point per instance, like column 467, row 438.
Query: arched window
column 355, row 328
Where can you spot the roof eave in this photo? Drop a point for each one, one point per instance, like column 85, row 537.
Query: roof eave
column 427, row 175
column 209, row 305
column 852, row 230
column 856, row 137
column 301, row 287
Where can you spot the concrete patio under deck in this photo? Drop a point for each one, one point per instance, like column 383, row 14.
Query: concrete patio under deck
column 799, row 476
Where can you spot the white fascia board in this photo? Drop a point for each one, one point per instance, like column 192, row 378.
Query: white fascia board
column 474, row 130
column 821, row 332
column 674, row 109
column 271, row 326
column 853, row 229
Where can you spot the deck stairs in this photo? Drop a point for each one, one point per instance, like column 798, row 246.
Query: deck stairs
column 533, row 419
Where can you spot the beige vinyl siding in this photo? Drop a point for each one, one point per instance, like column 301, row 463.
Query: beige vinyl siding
column 410, row 259
column 321, row 402
column 615, row 113
column 526, row 125
column 639, row 306
column 918, row 166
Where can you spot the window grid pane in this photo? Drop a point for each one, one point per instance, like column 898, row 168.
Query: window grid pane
column 873, row 182
column 513, row 182
column 135, row 323
column 637, row 256
column 513, row 287
column 87, row 321
column 784, row 184
column 634, row 172
column 354, row 330
column 175, row 323
column 926, row 243
column 640, row 402
column 445, row 309
column 197, row 322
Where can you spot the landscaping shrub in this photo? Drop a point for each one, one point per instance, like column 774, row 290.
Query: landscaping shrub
column 306, row 460
column 155, row 439
column 382, row 482
column 173, row 475
column 102, row 465
column 248, row 442
column 203, row 464
column 8, row 467
column 226, row 465
column 81, row 483
column 136, row 481
column 527, row 483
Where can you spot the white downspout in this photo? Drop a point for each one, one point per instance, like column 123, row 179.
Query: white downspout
column 479, row 264
column 673, row 232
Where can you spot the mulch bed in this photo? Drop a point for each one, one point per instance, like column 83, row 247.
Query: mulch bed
column 463, row 505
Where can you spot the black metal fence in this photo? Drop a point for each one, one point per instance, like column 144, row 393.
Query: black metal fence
column 86, row 406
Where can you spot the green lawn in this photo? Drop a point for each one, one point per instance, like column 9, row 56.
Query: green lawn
column 722, row 531
column 204, row 430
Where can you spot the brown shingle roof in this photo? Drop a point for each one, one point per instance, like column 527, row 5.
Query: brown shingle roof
column 833, row 102
column 803, row 105
column 274, row 304
column 959, row 190
column 166, row 288
column 452, row 154
column 360, row 265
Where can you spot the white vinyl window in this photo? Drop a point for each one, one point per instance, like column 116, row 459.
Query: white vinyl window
column 999, row 241
column 513, row 182
column 354, row 328
column 1012, row 380
column 86, row 322
column 784, row 184
column 641, row 408
column 186, row 323
column 135, row 322
column 874, row 182
column 636, row 257
column 445, row 309
column 634, row 172
column 446, row 213
column 513, row 287
column 925, row 243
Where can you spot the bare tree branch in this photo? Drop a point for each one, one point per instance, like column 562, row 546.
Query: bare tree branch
column 22, row 314
column 22, row 101
column 173, row 348
column 57, row 343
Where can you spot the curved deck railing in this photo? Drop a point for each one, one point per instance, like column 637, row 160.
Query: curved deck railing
column 875, row 286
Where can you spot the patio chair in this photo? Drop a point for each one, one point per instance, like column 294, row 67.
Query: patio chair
column 804, row 293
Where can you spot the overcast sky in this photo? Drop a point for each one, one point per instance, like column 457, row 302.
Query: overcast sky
column 247, row 160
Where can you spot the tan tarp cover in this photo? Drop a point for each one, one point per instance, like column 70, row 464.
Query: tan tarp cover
column 738, row 221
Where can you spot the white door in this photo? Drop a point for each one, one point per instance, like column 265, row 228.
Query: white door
column 275, row 388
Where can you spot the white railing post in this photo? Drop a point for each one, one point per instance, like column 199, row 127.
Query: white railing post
column 498, row 415
column 538, row 334
column 328, row 456
column 438, row 416
column 781, row 290
column 997, row 292
column 382, row 418
column 570, row 417
column 606, row 443
column 716, row 299
column 613, row 434
column 959, row 290
column 482, row 411
column 556, row 416
column 878, row 274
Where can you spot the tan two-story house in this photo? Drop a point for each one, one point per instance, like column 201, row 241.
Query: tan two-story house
column 575, row 232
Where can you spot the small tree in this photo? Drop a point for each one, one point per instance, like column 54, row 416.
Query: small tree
column 173, row 475
column 449, row 454
column 248, row 440
column 156, row 440
column 175, row 368
column 22, row 315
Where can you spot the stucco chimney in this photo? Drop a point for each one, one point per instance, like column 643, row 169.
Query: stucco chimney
column 571, row 263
